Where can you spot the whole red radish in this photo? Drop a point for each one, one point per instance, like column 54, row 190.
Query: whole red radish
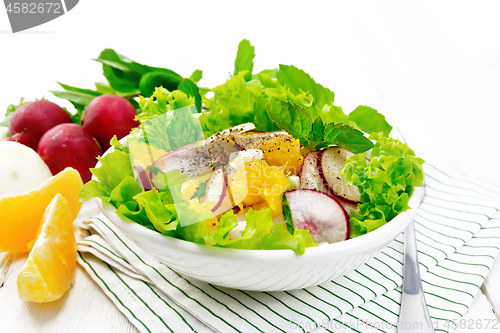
column 109, row 115
column 69, row 145
column 31, row 120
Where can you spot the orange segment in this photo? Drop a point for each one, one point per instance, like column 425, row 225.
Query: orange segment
column 21, row 214
column 50, row 267
column 280, row 151
column 265, row 183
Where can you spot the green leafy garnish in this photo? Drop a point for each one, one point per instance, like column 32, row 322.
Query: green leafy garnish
column 167, row 120
column 10, row 110
column 385, row 183
column 299, row 81
column 369, row 120
column 200, row 191
column 287, row 215
column 298, row 122
column 196, row 76
column 244, row 59
column 124, row 74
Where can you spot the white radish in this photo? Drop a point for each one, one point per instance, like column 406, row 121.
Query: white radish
column 217, row 192
column 247, row 139
column 321, row 214
column 330, row 162
column 21, row 169
column 226, row 135
column 194, row 160
column 309, row 174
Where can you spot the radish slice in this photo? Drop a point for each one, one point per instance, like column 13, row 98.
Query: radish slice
column 146, row 182
column 194, row 160
column 21, row 169
column 309, row 174
column 247, row 139
column 217, row 192
column 330, row 162
column 321, row 214
column 226, row 135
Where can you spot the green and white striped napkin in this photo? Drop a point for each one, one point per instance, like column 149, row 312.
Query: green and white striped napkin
column 458, row 237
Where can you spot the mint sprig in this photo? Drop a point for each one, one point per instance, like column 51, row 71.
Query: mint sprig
column 297, row 121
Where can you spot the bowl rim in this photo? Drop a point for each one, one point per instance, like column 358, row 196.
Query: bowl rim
column 375, row 239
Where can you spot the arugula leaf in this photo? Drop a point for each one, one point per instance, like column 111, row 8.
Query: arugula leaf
column 150, row 81
column 244, row 59
column 369, row 120
column 104, row 88
column 124, row 74
column 297, row 80
column 192, row 90
column 196, row 76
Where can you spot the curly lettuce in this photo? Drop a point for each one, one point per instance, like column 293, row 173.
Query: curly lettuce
column 165, row 210
column 385, row 183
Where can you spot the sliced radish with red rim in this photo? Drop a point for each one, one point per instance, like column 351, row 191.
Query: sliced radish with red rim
column 320, row 213
column 330, row 162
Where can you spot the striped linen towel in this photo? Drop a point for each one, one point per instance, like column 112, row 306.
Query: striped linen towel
column 458, row 237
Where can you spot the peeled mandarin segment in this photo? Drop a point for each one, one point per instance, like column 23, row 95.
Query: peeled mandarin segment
column 21, row 214
column 280, row 151
column 50, row 268
column 265, row 182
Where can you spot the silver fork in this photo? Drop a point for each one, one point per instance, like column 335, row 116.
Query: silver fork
column 413, row 315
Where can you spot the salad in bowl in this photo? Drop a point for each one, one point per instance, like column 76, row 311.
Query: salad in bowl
column 268, row 162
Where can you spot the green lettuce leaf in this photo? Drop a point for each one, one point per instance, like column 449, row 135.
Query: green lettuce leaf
column 369, row 120
column 10, row 110
column 244, row 59
column 167, row 120
column 385, row 183
column 236, row 102
column 259, row 234
column 299, row 81
column 196, row 76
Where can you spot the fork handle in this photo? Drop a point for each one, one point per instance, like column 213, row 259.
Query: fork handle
column 413, row 315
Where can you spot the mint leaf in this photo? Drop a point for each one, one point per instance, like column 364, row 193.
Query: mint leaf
column 297, row 121
column 346, row 137
column 292, row 118
column 297, row 80
column 369, row 120
column 317, row 131
column 196, row 76
column 244, row 59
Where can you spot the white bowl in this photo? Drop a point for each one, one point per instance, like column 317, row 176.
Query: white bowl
column 262, row 270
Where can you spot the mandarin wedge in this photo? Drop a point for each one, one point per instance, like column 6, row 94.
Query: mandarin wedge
column 50, row 268
column 21, row 214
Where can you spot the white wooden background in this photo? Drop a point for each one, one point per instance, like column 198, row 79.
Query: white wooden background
column 433, row 67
